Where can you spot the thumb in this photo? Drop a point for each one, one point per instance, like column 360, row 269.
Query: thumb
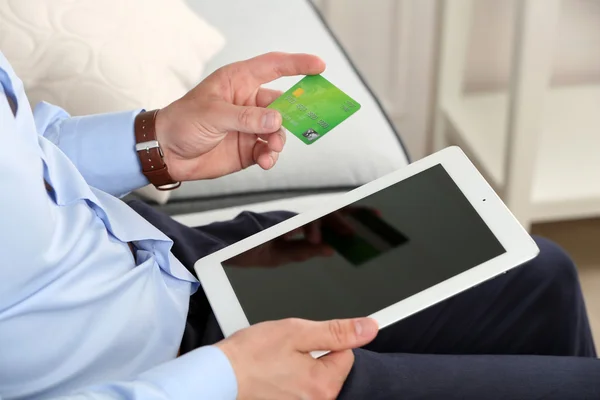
column 249, row 119
column 337, row 335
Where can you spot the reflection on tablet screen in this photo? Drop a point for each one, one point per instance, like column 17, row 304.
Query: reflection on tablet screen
column 360, row 234
column 366, row 256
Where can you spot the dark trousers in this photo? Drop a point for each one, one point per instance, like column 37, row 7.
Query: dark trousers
column 523, row 335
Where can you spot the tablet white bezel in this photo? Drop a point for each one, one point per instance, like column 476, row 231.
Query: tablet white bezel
column 519, row 246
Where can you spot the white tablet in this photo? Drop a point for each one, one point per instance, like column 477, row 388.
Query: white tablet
column 388, row 249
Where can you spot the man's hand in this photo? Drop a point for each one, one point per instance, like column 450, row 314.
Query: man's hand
column 221, row 126
column 271, row 360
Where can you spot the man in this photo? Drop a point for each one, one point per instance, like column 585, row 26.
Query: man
column 94, row 299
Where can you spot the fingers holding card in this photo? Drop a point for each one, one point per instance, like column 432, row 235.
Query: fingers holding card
column 313, row 107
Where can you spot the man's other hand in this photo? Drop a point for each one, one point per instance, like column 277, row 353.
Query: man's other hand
column 272, row 360
column 222, row 126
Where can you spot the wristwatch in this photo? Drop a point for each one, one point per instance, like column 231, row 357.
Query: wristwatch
column 149, row 151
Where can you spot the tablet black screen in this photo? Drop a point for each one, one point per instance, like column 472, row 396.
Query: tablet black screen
column 366, row 256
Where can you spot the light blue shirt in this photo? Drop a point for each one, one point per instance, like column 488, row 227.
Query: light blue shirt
column 79, row 316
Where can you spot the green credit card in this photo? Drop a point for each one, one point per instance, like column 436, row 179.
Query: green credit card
column 313, row 107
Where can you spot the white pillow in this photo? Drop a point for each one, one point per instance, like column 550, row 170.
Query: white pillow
column 91, row 56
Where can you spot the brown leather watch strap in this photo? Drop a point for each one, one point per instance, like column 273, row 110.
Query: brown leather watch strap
column 150, row 153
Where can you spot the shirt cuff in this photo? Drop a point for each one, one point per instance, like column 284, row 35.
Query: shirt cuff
column 203, row 373
column 102, row 147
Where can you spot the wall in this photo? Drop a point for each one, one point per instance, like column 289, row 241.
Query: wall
column 577, row 54
column 393, row 43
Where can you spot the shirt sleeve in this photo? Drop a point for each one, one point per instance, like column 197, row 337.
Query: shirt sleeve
column 204, row 373
column 101, row 146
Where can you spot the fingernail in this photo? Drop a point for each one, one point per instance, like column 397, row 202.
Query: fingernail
column 269, row 121
column 365, row 327
column 272, row 161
